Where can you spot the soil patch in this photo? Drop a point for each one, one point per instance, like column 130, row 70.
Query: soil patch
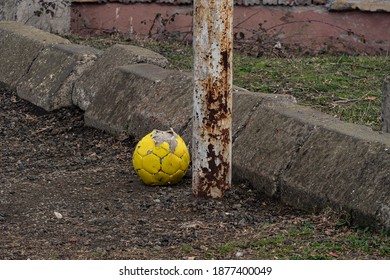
column 70, row 192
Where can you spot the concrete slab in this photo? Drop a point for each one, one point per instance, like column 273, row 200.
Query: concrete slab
column 312, row 161
column 340, row 165
column 51, row 77
column 246, row 102
column 140, row 98
column 19, row 47
column 385, row 114
column 265, row 146
column 149, row 97
column 95, row 78
column 169, row 105
column 115, row 101
column 54, row 18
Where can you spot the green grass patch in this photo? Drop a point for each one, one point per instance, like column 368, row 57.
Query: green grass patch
column 227, row 248
column 347, row 87
column 303, row 242
column 186, row 248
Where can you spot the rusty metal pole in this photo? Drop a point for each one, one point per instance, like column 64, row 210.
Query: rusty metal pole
column 212, row 130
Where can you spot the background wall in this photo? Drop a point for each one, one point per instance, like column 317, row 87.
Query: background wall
column 353, row 26
column 307, row 27
column 49, row 15
column 8, row 9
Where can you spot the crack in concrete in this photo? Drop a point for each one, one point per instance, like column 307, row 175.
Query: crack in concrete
column 291, row 159
column 246, row 122
column 32, row 62
column 185, row 126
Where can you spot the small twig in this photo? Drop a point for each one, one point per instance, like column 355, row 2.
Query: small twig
column 347, row 100
column 350, row 100
column 351, row 75
column 362, row 67
column 42, row 130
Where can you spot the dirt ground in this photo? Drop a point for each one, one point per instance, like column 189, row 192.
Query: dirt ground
column 69, row 192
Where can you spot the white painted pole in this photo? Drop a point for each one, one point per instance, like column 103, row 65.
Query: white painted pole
column 212, row 130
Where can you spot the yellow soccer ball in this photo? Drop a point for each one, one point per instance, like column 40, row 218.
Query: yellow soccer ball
column 161, row 158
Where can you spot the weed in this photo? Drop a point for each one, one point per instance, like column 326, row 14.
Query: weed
column 186, row 248
column 227, row 248
column 308, row 239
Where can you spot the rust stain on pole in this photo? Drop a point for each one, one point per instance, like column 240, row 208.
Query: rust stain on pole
column 212, row 131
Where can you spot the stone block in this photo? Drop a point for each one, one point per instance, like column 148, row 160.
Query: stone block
column 265, row 146
column 385, row 116
column 50, row 79
column 313, row 161
column 245, row 103
column 97, row 76
column 148, row 97
column 141, row 97
column 342, row 166
column 8, row 9
column 168, row 105
column 54, row 18
column 20, row 45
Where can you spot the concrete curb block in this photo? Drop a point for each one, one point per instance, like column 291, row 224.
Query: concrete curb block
column 302, row 157
column 146, row 97
column 20, row 45
column 385, row 114
column 51, row 77
column 142, row 97
column 312, row 161
column 90, row 83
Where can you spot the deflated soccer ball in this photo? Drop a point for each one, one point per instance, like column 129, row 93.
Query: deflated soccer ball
column 161, row 158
